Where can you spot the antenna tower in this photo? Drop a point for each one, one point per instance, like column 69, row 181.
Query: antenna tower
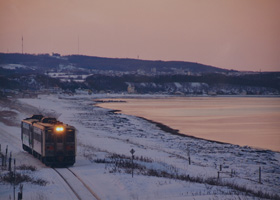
column 78, row 45
column 22, row 44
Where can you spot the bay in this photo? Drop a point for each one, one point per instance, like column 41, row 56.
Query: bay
column 245, row 121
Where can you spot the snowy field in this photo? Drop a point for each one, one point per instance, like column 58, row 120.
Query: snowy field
column 162, row 168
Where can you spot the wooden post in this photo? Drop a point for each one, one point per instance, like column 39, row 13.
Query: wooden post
column 20, row 192
column 3, row 160
column 132, row 151
column 14, row 179
column 221, row 167
column 189, row 156
column 10, row 162
column 260, row 175
column 6, row 156
column 218, row 175
column 132, row 165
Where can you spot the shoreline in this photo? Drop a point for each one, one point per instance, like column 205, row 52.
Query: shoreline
column 185, row 132
column 100, row 99
column 172, row 131
column 177, row 132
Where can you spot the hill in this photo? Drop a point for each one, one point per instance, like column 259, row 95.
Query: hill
column 47, row 61
column 114, row 75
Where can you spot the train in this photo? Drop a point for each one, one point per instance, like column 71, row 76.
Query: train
column 49, row 140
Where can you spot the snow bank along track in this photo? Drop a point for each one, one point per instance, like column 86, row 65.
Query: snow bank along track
column 76, row 184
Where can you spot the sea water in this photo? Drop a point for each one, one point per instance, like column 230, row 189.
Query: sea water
column 245, row 121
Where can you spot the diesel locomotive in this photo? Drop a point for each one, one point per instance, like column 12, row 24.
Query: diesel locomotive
column 49, row 140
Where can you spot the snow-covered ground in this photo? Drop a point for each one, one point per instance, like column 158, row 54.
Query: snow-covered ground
column 162, row 164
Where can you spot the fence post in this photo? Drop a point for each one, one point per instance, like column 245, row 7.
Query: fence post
column 132, row 151
column 6, row 156
column 221, row 167
column 20, row 192
column 3, row 160
column 218, row 175
column 10, row 162
column 14, row 179
column 260, row 175
column 189, row 156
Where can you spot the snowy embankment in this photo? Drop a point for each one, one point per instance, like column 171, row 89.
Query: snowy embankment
column 162, row 168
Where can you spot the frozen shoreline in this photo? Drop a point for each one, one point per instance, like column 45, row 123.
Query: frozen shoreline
column 172, row 131
column 220, row 121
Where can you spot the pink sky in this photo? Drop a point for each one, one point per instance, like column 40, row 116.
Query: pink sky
column 232, row 34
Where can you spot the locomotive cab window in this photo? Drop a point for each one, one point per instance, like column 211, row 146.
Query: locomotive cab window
column 59, row 138
column 49, row 136
column 70, row 136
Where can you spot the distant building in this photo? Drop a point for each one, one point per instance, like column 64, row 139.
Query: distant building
column 140, row 71
column 212, row 93
column 56, row 54
column 131, row 89
column 243, row 92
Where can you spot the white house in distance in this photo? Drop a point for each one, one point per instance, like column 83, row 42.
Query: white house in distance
column 131, row 89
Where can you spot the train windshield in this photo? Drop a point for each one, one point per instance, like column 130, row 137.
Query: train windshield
column 49, row 136
column 70, row 135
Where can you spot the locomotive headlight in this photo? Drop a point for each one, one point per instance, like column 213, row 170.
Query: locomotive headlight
column 59, row 129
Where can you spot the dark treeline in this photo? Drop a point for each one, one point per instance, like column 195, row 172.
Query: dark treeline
column 120, row 83
column 40, row 61
column 127, row 64
column 102, row 82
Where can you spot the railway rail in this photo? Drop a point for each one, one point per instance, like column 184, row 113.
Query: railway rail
column 76, row 184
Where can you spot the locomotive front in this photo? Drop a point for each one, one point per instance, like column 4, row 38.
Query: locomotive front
column 51, row 141
column 60, row 144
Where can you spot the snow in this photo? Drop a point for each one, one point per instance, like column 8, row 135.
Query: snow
column 178, row 85
column 13, row 66
column 194, row 84
column 102, row 134
column 67, row 77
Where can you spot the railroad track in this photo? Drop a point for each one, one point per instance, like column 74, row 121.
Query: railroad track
column 81, row 190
